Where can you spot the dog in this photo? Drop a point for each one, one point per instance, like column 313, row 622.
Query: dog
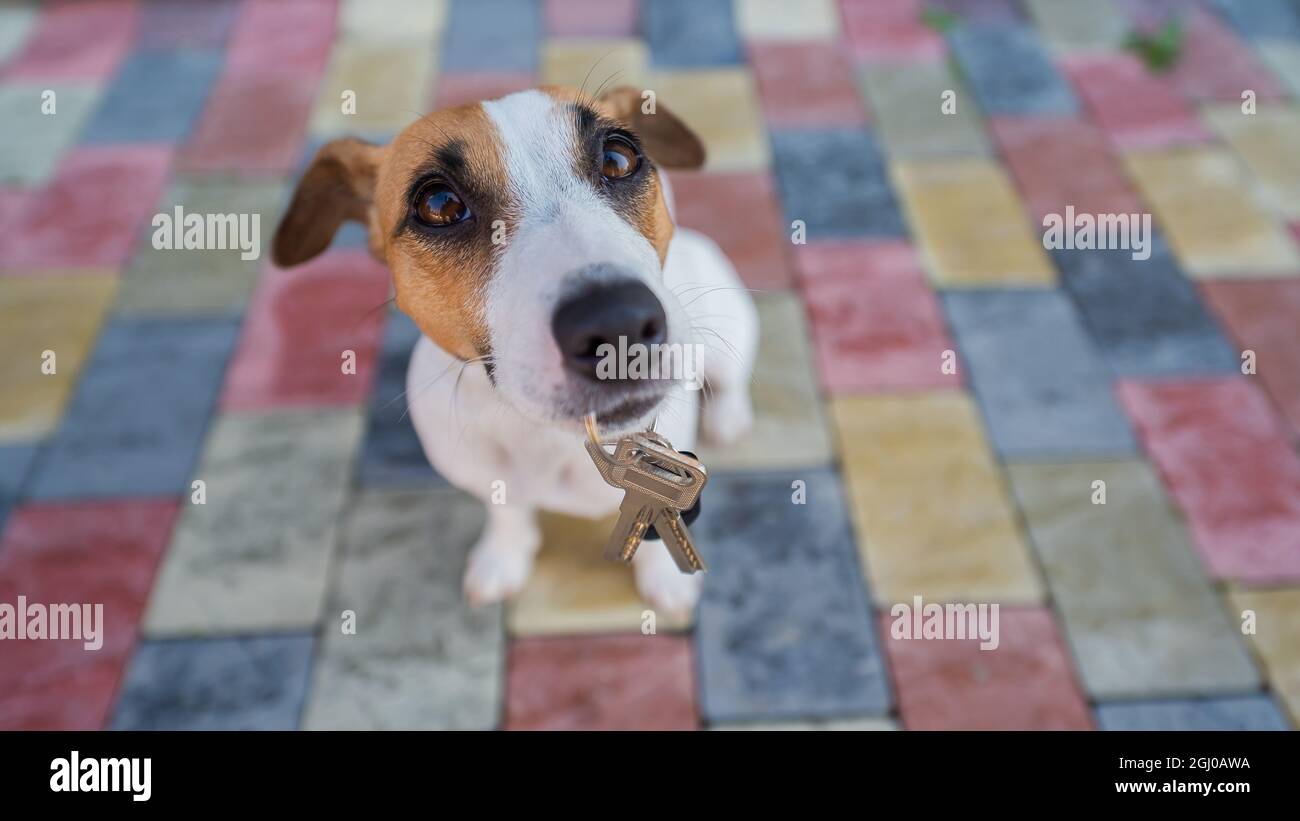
column 523, row 234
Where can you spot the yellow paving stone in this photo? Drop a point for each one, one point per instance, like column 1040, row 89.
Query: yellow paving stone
column 575, row 589
column 1202, row 199
column 911, row 129
column 721, row 106
column 1267, row 142
column 55, row 312
column 1069, row 25
column 1276, row 639
column 591, row 64
column 1283, row 57
column 391, row 84
column 970, row 223
column 930, row 507
column 784, row 20
column 790, row 429
column 417, row 22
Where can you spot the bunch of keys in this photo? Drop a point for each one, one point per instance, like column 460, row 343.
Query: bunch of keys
column 660, row 483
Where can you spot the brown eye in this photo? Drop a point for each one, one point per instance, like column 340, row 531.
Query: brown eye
column 618, row 159
column 438, row 205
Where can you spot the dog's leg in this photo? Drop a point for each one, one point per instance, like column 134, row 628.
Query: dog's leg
column 501, row 561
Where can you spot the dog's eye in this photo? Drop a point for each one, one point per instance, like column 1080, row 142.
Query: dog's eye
column 439, row 206
column 618, row 158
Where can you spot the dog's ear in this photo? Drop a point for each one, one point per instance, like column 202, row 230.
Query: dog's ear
column 338, row 185
column 666, row 139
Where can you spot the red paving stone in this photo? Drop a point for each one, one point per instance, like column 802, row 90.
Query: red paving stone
column 78, row 553
column 471, row 87
column 876, row 324
column 880, row 30
column 299, row 324
column 254, row 122
column 1216, row 64
column 1136, row 108
column 1264, row 316
column 283, row 36
column 1027, row 683
column 91, row 214
column 1061, row 162
column 739, row 211
column 591, row 18
column 806, row 85
column 601, row 683
column 77, row 41
column 1224, row 455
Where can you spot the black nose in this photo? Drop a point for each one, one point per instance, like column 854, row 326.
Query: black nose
column 602, row 314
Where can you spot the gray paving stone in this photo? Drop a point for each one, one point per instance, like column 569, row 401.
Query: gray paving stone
column 15, row 464
column 835, row 181
column 491, row 35
column 1255, row 712
column 155, row 96
column 1010, row 70
column 392, row 455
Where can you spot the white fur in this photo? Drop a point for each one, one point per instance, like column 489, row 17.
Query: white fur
column 478, row 435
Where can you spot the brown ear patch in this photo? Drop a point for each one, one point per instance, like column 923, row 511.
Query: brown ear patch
column 666, row 138
column 338, row 185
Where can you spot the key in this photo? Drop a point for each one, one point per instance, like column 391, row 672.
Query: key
column 660, row 482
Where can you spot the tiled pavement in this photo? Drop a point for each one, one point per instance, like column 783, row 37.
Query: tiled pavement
column 940, row 400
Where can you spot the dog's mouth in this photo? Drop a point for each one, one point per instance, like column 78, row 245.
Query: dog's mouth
column 627, row 411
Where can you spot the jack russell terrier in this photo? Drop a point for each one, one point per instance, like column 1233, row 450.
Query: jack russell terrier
column 526, row 235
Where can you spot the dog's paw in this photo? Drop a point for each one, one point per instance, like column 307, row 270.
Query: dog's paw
column 668, row 590
column 727, row 416
column 493, row 573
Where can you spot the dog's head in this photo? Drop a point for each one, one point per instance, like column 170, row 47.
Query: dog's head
column 529, row 231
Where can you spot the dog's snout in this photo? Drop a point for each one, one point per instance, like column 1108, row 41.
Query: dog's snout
column 624, row 313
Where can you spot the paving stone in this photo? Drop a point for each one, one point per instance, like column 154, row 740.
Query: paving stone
column 1261, row 18
column 1256, row 712
column 789, row 423
column 99, row 554
column 1216, row 65
column 600, row 683
column 591, row 18
column 1009, row 70
column 15, row 465
column 491, row 35
column 994, row 11
column 283, row 37
column 843, row 725
column 779, row 20
column 889, row 30
column 155, row 97
column 1283, row 59
column 1061, row 162
column 16, row 23
column 302, row 323
column 970, row 225
column 756, row 245
column 1144, row 315
column 593, row 64
column 1136, row 108
column 167, row 25
column 1039, row 379
column 835, row 181
column 907, row 103
column 1266, row 142
column 1027, row 683
column 203, row 281
column 389, row 86
column 876, row 324
column 721, row 106
column 1276, row 640
column 806, row 85
column 1204, row 204
column 421, row 658
column 136, row 422
column 76, row 41
column 929, row 506
column 1070, row 26
column 785, row 628
column 253, row 123
column 392, row 455
column 1262, row 316
column 239, row 683
column 455, row 89
column 1138, row 611
column 574, row 589
column 413, row 22
column 92, row 212
column 61, row 314
column 256, row 556
column 32, row 141
column 689, row 33
column 1224, row 456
